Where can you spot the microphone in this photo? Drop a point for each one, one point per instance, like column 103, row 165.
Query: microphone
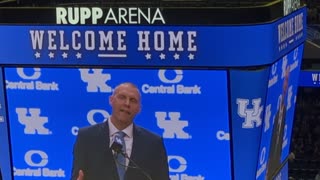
column 116, row 146
column 290, row 157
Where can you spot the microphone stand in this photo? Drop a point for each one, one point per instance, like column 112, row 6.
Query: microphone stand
column 134, row 163
column 289, row 157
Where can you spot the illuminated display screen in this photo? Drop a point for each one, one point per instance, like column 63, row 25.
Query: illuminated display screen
column 46, row 106
column 196, row 91
column 280, row 105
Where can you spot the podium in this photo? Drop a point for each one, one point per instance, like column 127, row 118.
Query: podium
column 218, row 84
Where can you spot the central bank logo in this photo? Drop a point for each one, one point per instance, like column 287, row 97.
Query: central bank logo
column 172, row 84
column 251, row 116
column 173, row 127
column 33, row 122
column 96, row 80
column 37, row 161
column 94, row 116
column 223, row 136
column 176, row 78
column 29, row 156
column 177, row 167
column 274, row 75
column 262, row 162
column 30, row 81
column 30, row 76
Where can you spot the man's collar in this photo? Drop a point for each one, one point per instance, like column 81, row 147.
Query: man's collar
column 112, row 129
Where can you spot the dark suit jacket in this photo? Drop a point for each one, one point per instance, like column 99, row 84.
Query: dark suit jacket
column 275, row 151
column 0, row 174
column 93, row 155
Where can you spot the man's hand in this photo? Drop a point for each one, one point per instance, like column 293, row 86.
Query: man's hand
column 80, row 175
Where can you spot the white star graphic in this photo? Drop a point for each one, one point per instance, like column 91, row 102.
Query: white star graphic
column 79, row 55
column 191, row 56
column 37, row 55
column 51, row 55
column 162, row 56
column 148, row 56
column 176, row 56
column 64, row 55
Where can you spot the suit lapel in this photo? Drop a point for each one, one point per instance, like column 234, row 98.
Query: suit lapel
column 137, row 145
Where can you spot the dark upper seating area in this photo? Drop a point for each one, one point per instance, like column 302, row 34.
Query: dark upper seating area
column 305, row 141
column 313, row 11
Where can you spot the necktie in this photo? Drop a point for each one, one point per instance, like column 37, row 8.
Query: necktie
column 121, row 161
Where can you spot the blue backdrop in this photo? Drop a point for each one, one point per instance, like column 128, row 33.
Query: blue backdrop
column 292, row 61
column 47, row 106
column 189, row 108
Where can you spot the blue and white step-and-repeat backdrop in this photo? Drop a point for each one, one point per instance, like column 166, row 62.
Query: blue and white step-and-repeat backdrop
column 47, row 106
column 282, row 89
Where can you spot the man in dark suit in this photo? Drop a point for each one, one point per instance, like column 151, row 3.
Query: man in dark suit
column 94, row 160
column 274, row 160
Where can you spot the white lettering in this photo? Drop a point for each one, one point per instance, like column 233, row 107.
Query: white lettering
column 36, row 39
column 290, row 27
column 148, row 89
column 158, row 40
column 131, row 15
column 103, row 40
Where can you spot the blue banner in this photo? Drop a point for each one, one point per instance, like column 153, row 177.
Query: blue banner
column 309, row 78
column 248, row 90
column 279, row 113
column 184, row 46
column 47, row 106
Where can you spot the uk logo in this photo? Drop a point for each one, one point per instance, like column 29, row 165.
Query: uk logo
column 96, row 80
column 34, row 123
column 284, row 66
column 267, row 118
column 290, row 97
column 251, row 116
column 173, row 127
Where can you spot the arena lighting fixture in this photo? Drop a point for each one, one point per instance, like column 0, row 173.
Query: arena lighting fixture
column 7, row 1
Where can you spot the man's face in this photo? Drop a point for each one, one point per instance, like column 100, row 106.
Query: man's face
column 125, row 103
column 286, row 81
